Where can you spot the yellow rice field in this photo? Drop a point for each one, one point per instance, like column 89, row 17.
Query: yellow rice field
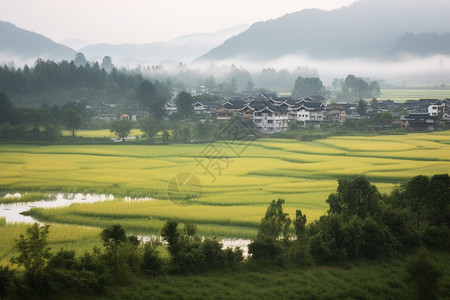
column 103, row 133
column 237, row 181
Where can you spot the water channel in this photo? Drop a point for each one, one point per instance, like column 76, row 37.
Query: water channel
column 12, row 212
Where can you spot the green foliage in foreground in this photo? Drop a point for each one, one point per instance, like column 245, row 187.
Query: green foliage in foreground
column 49, row 275
column 360, row 224
column 362, row 279
column 385, row 278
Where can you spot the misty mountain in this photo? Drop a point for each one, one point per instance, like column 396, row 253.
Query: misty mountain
column 364, row 29
column 185, row 48
column 75, row 44
column 22, row 45
column 423, row 43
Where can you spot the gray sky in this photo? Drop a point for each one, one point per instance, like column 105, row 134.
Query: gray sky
column 144, row 21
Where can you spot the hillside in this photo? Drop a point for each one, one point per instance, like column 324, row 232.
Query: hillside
column 185, row 48
column 365, row 29
column 23, row 45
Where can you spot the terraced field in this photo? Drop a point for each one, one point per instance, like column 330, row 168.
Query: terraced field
column 235, row 180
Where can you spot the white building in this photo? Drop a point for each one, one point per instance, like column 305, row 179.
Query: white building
column 309, row 111
column 170, row 108
column 271, row 120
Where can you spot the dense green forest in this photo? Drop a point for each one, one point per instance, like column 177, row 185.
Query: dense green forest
column 58, row 83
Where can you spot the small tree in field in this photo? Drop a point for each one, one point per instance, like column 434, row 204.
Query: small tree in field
column 122, row 128
column 275, row 222
column 150, row 126
column 34, row 254
column 72, row 120
column 274, row 225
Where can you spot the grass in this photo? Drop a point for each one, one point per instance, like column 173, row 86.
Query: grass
column 381, row 279
column 235, row 189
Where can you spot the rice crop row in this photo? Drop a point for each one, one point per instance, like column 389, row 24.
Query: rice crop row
column 235, row 190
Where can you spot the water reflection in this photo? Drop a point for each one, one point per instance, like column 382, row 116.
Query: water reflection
column 12, row 211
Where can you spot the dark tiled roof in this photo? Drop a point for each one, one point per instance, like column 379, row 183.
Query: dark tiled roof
column 310, row 106
column 234, row 104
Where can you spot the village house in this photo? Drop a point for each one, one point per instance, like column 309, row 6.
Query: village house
column 436, row 109
column 230, row 109
column 170, row 108
column 335, row 114
column 310, row 113
column 108, row 117
column 207, row 108
column 420, row 122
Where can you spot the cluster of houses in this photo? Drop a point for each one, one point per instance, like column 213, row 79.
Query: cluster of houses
column 426, row 114
column 271, row 114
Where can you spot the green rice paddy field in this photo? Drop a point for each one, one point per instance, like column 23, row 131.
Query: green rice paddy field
column 400, row 95
column 236, row 180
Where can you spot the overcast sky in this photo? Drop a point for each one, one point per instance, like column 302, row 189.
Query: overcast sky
column 144, row 21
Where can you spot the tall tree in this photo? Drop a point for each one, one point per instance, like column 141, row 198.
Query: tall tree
column 354, row 88
column 439, row 200
column 72, row 120
column 150, row 126
column 34, row 254
column 79, row 60
column 362, row 107
column 355, row 197
column 310, row 86
column 151, row 100
column 276, row 222
column 184, row 102
column 250, row 85
column 121, row 128
column 107, row 64
column 417, row 195
column 6, row 109
column 210, row 83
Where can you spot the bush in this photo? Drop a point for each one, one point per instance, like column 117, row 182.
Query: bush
column 8, row 283
column 262, row 249
column 424, row 275
column 151, row 262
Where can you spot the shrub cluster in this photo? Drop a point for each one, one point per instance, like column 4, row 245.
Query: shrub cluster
column 50, row 275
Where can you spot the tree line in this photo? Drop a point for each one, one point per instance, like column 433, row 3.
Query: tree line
column 123, row 257
column 47, row 76
column 39, row 124
column 360, row 223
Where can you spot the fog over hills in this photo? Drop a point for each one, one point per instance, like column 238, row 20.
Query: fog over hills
column 24, row 46
column 396, row 40
column 21, row 46
column 184, row 49
column 365, row 29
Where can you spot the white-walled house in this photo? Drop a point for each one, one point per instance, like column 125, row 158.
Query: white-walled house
column 271, row 119
column 170, row 108
column 436, row 109
column 309, row 111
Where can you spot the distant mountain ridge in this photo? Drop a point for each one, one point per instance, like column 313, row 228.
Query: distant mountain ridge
column 184, row 49
column 25, row 45
column 366, row 29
